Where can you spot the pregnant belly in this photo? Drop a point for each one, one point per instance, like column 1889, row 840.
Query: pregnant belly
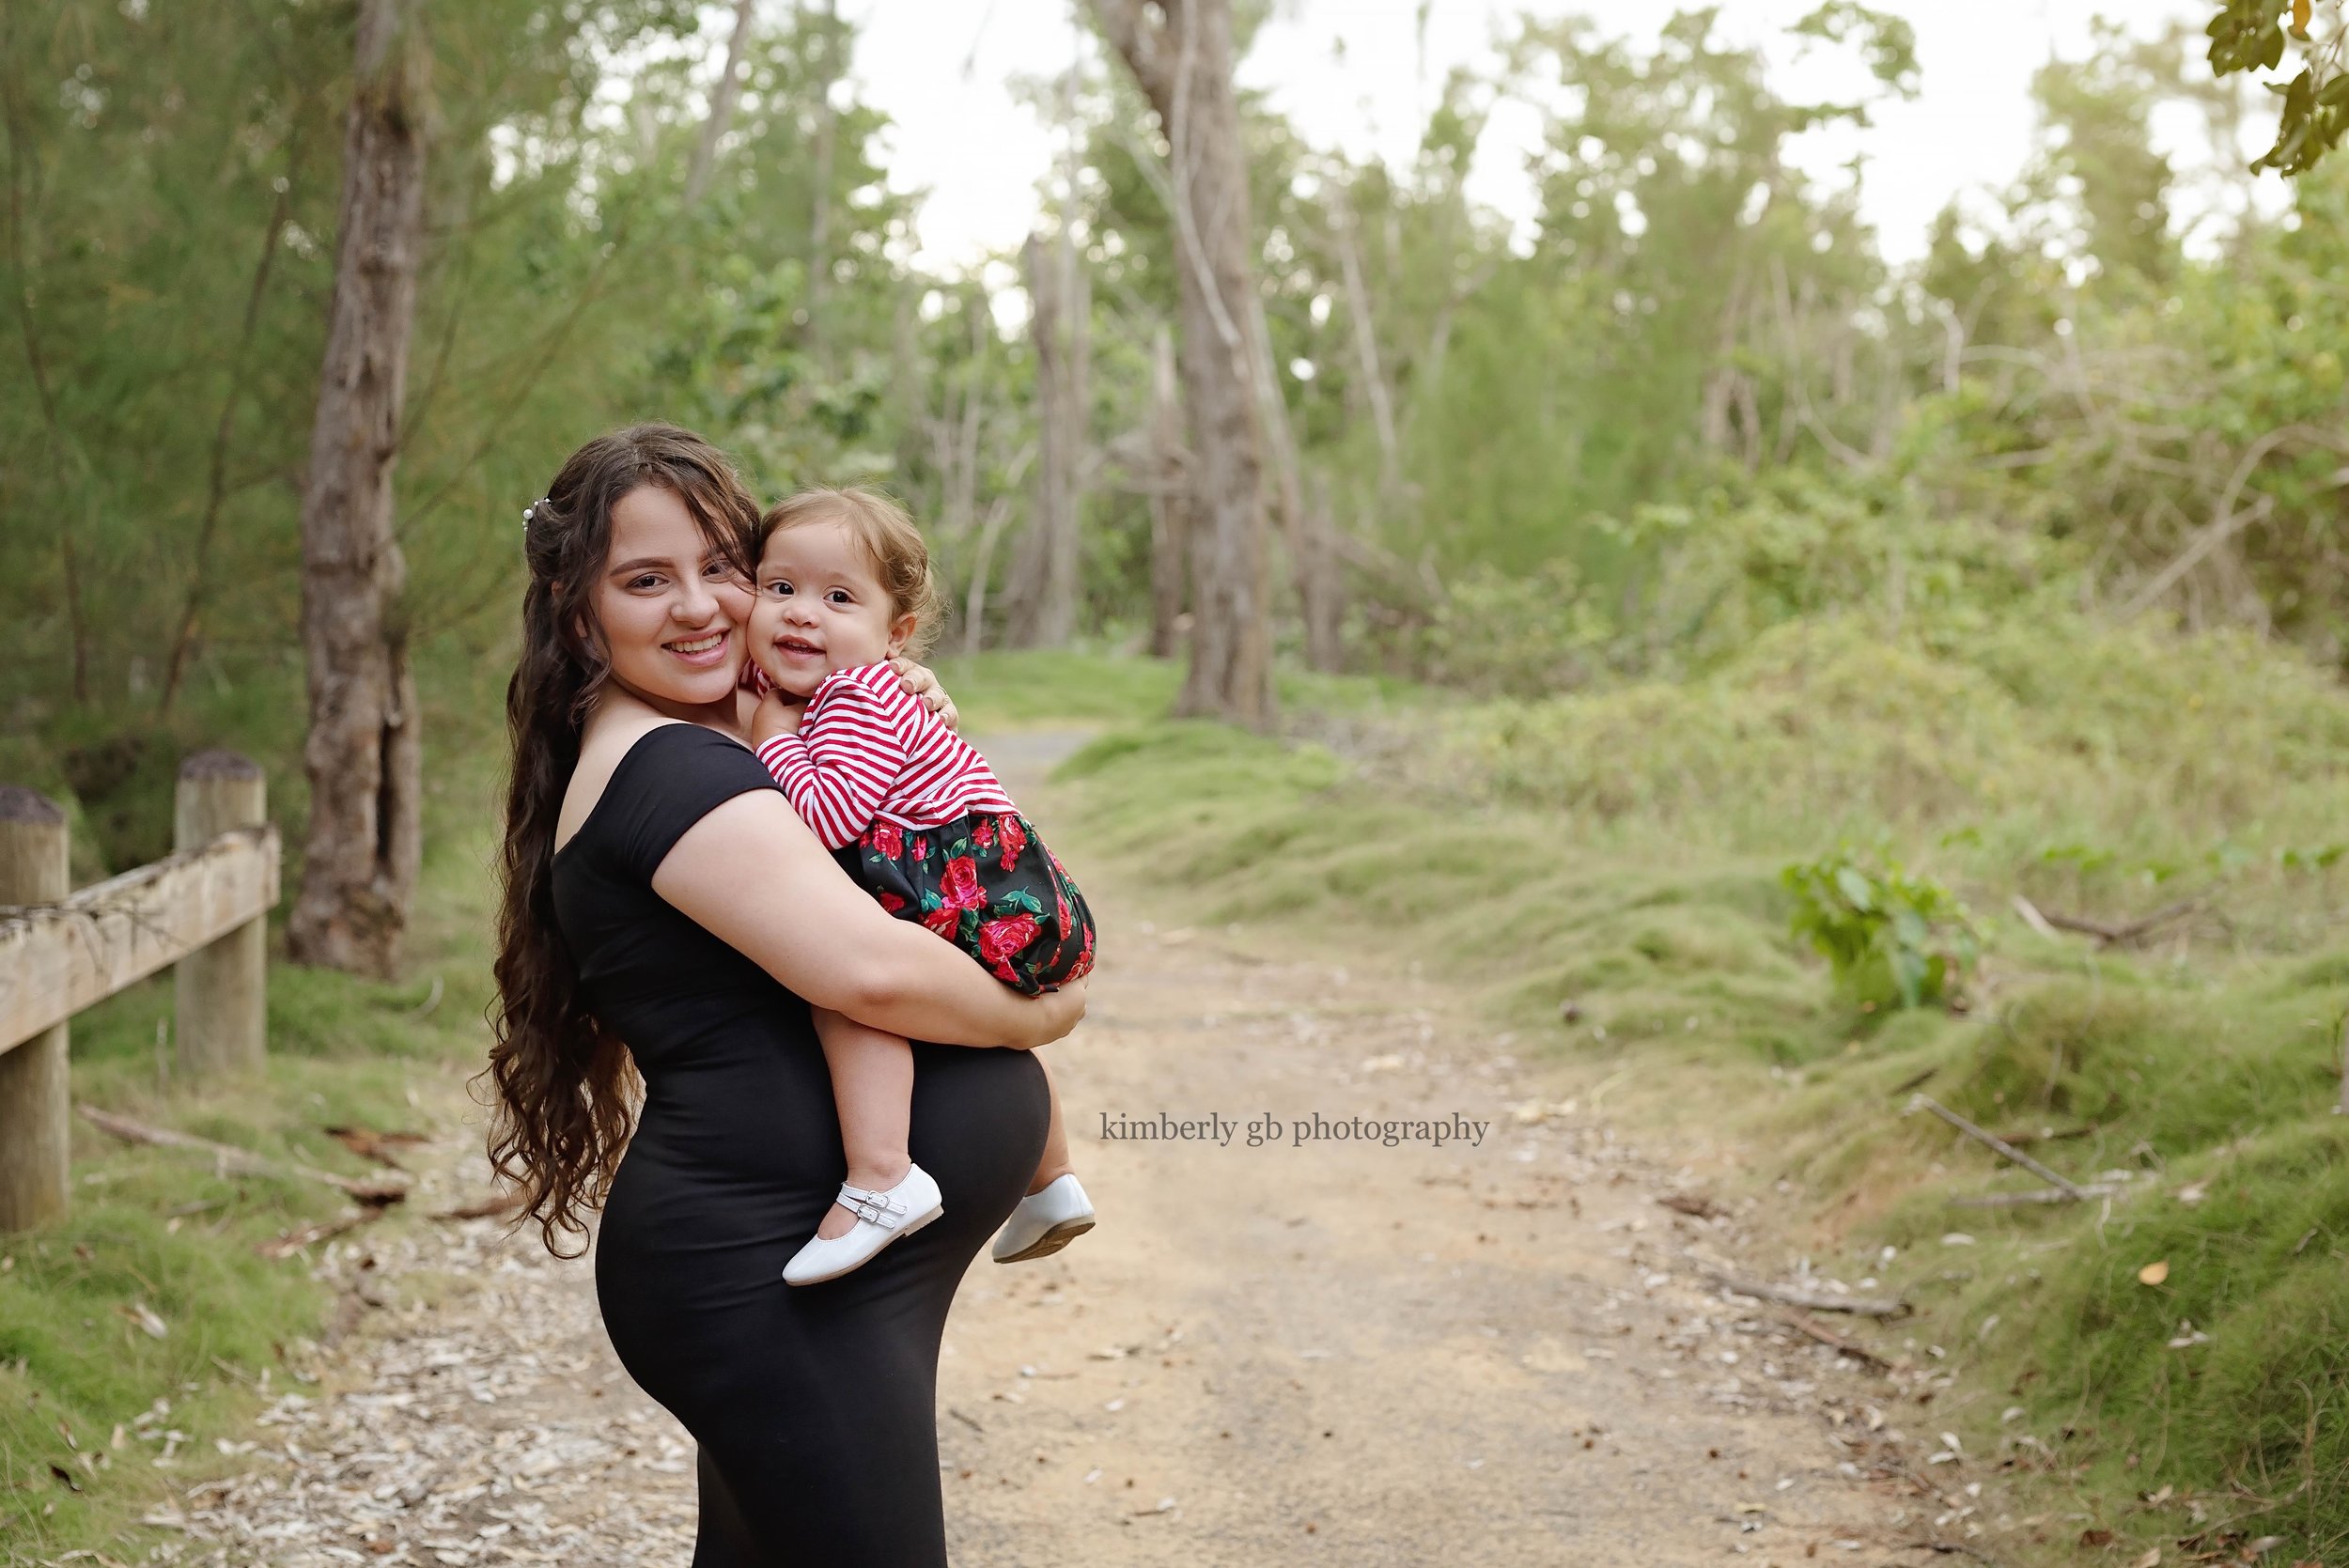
column 729, row 1173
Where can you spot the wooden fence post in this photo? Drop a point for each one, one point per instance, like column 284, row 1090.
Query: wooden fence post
column 36, row 1101
column 221, row 990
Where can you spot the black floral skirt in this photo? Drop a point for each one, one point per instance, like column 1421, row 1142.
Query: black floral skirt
column 986, row 883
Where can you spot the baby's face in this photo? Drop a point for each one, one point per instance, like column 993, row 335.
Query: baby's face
column 820, row 607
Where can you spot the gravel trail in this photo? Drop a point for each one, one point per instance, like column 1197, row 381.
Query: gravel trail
column 1498, row 1351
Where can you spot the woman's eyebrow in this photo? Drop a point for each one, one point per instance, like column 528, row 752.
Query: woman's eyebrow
column 640, row 564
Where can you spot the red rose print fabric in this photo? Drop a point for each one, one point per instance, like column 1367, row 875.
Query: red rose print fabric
column 987, row 883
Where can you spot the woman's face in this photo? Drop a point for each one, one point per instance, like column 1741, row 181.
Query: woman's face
column 669, row 605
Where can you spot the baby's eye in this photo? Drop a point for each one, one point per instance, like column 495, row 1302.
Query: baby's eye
column 779, row 588
column 839, row 595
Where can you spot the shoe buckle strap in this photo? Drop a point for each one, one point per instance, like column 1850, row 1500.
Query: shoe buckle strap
column 876, row 1208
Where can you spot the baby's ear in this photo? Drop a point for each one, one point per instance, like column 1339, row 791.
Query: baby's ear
column 901, row 633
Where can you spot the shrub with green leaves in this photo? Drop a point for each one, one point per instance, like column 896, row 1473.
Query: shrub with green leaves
column 1891, row 936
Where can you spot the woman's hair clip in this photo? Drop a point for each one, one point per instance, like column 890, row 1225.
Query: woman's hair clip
column 530, row 509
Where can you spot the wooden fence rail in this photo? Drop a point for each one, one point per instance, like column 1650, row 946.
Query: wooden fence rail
column 203, row 907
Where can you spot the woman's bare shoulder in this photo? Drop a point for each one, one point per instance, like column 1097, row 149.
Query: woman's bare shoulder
column 612, row 731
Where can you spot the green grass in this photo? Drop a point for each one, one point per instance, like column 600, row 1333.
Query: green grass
column 1619, row 851
column 2207, row 1068
column 155, row 1230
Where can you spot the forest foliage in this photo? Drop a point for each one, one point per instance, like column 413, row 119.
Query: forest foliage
column 1530, row 442
column 1693, row 524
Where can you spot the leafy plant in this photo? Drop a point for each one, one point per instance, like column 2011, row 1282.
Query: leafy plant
column 2248, row 36
column 1891, row 936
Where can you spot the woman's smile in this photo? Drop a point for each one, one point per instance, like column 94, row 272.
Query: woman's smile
column 701, row 650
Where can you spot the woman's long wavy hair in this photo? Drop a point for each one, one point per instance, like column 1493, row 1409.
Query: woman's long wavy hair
column 562, row 1090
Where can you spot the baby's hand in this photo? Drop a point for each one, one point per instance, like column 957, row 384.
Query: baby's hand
column 778, row 714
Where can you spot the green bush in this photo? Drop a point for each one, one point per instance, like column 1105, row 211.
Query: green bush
column 1890, row 936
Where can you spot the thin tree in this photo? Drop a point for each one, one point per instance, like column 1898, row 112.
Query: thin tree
column 1168, row 466
column 364, row 754
column 723, row 99
column 1043, row 589
column 1180, row 53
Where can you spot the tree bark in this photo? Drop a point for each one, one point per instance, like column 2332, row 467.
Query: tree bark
column 721, row 100
column 1170, row 503
column 819, row 213
column 364, row 754
column 1044, row 580
column 1374, row 375
column 1180, row 53
column 1314, row 565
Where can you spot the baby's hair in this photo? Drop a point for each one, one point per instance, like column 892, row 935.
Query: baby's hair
column 891, row 543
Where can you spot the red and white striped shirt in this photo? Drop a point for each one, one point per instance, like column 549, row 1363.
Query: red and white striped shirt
column 867, row 750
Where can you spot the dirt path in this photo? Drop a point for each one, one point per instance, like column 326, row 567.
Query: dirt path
column 1498, row 1352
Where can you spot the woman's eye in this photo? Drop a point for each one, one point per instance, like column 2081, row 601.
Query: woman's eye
column 646, row 581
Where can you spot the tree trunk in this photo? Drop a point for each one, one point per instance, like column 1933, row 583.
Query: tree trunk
column 1321, row 578
column 1313, row 565
column 1366, row 344
column 1044, row 580
column 363, row 752
column 1170, row 503
column 1180, row 53
column 819, row 213
column 723, row 98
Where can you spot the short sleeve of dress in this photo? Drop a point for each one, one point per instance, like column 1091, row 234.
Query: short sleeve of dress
column 672, row 777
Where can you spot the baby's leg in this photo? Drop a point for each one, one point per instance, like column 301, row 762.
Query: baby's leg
column 1055, row 1162
column 872, row 1084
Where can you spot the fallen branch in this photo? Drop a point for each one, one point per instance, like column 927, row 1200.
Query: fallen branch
column 1810, row 1300
column 2049, row 1135
column 310, row 1236
column 490, row 1207
column 2106, row 934
column 1841, row 1345
column 1696, row 1205
column 1926, row 1102
column 2036, row 1195
column 230, row 1160
column 368, row 1144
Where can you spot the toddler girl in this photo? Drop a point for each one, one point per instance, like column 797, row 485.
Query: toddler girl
column 916, row 816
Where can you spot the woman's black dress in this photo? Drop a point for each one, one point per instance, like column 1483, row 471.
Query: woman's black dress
column 814, row 1406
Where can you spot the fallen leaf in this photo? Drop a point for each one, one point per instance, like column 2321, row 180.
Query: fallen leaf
column 2155, row 1500
column 2154, row 1273
column 2151, row 1560
column 140, row 1313
column 2096, row 1538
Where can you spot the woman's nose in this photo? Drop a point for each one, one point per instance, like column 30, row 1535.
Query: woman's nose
column 696, row 601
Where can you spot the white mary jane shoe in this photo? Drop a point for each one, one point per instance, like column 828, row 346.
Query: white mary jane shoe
column 882, row 1218
column 1045, row 1221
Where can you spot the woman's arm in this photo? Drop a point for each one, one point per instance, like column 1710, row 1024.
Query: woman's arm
column 752, row 874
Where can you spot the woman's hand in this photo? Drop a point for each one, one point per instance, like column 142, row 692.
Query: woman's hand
column 920, row 681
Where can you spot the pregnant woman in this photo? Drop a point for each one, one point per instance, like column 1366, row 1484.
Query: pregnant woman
column 667, row 922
